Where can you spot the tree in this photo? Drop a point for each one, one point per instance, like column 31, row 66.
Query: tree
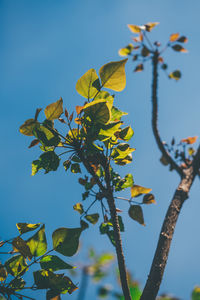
column 182, row 158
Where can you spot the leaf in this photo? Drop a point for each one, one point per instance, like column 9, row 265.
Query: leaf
column 113, row 75
column 135, row 292
column 164, row 66
column 48, row 161
column 148, row 199
column 33, row 143
column 121, row 151
column 19, row 245
column 126, row 133
column 46, row 279
column 137, row 190
column 99, row 111
column 105, row 259
column 28, row 126
column 53, row 263
column 93, row 218
column 26, row 227
column 149, row 26
column 164, row 161
column 190, row 140
column 191, row 151
column 135, row 212
column 196, row 293
column 75, row 168
column 136, row 28
column 54, row 110
column 79, row 109
column 175, row 75
column 126, row 160
column 139, row 68
column 17, row 283
column 88, row 85
column 182, row 39
column 16, row 265
column 66, row 240
column 179, row 48
column 108, row 131
column 53, row 295
column 126, row 50
column 124, row 183
column 47, row 136
column 116, row 114
column 3, row 273
column 174, row 37
column 38, row 243
column 79, row 208
column 66, row 164
column 145, row 51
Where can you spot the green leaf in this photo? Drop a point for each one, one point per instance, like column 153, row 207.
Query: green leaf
column 75, row 168
column 121, row 151
column 19, row 245
column 137, row 190
column 88, row 85
column 93, row 218
column 54, row 110
column 196, row 293
column 16, row 265
column 148, row 199
column 38, row 243
column 99, row 111
column 105, row 259
column 53, row 295
column 108, row 131
column 28, row 126
column 46, row 279
column 126, row 50
column 113, row 75
column 79, row 208
column 17, row 284
column 135, row 292
column 106, row 96
column 124, row 183
column 126, row 133
column 48, row 161
column 47, row 137
column 121, row 224
column 53, row 263
column 117, row 114
column 175, row 75
column 26, row 227
column 136, row 213
column 66, row 240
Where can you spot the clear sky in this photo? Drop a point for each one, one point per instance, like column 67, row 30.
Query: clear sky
column 45, row 47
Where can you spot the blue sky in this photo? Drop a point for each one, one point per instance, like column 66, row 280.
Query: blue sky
column 45, row 47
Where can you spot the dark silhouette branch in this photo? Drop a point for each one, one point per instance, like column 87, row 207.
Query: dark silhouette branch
column 181, row 194
column 155, row 116
column 108, row 194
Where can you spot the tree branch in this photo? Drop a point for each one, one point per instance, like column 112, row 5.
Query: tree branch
column 108, row 194
column 155, row 116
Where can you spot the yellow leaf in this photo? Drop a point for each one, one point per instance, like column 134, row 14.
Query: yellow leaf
column 135, row 28
column 88, row 85
column 137, row 190
column 191, row 151
column 54, row 110
column 28, row 126
column 174, row 37
column 190, row 140
column 126, row 50
column 149, row 26
column 113, row 75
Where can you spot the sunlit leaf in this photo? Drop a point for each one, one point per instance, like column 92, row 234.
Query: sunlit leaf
column 196, row 293
column 105, row 259
column 79, row 208
column 88, row 85
column 28, row 126
column 53, row 263
column 54, row 110
column 113, row 75
column 174, row 37
column 48, row 161
column 136, row 28
column 124, row 183
column 179, row 48
column 66, row 240
column 47, row 136
column 26, row 227
column 190, row 140
column 19, row 245
column 16, row 265
column 148, row 199
column 99, row 111
column 92, row 218
column 116, row 114
column 149, row 26
column 38, row 243
column 107, row 131
column 126, row 50
column 136, row 213
column 126, row 133
column 121, row 151
column 137, row 190
column 175, row 75
column 191, row 151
